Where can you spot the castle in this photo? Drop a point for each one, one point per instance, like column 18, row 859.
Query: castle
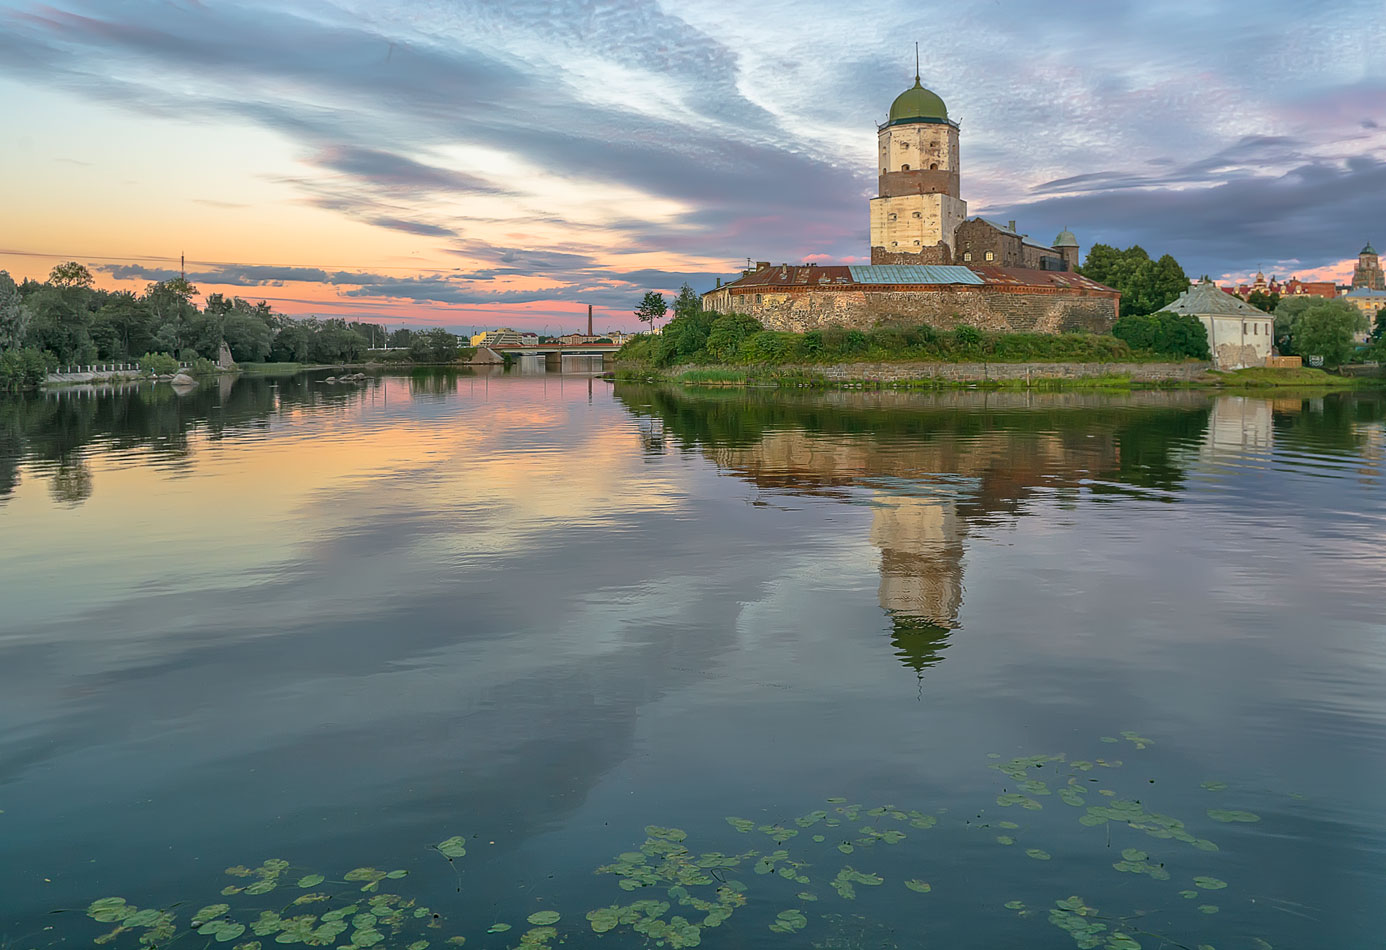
column 930, row 263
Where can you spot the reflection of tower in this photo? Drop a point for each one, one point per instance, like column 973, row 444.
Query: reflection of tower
column 921, row 542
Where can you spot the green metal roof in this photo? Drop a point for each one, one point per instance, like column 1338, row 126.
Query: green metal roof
column 917, row 104
column 1369, row 249
column 913, row 274
column 1066, row 238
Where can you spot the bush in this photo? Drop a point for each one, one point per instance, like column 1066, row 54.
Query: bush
column 160, row 364
column 812, row 343
column 202, row 367
column 768, row 346
column 728, row 332
column 1173, row 334
column 855, row 342
column 23, row 368
column 965, row 337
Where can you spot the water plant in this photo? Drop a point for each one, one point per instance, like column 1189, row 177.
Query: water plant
column 687, row 891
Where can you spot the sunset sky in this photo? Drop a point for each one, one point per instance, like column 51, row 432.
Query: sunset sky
column 507, row 163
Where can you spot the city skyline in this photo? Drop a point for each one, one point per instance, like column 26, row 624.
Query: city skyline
column 469, row 165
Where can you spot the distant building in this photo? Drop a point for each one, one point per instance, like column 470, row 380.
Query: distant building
column 1289, row 288
column 1368, row 273
column 1367, row 300
column 1239, row 335
column 502, row 337
column 980, row 241
column 529, row 339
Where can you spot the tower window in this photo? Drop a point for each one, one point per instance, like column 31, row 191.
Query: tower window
column 904, row 168
column 884, row 170
column 933, row 166
column 967, row 256
column 991, row 255
column 894, row 243
column 918, row 215
column 892, row 216
column 916, row 242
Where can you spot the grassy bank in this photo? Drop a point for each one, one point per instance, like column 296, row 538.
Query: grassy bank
column 1304, row 377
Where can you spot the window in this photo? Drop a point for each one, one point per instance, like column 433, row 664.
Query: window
column 991, row 255
column 904, row 168
column 894, row 243
column 892, row 216
column 933, row 166
column 918, row 215
column 884, row 170
column 1244, row 330
column 1256, row 329
column 757, row 300
column 916, row 242
column 967, row 256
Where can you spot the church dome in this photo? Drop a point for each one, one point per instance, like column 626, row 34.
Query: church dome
column 1366, row 250
column 917, row 104
column 1066, row 238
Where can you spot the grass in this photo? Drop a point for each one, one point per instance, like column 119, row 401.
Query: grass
column 1262, row 377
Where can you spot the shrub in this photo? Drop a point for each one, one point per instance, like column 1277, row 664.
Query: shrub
column 160, row 364
column 854, row 342
column 965, row 336
column 812, row 343
column 23, row 368
column 1174, row 334
column 202, row 367
column 767, row 346
column 727, row 333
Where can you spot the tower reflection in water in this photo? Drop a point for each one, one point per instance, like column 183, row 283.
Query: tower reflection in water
column 937, row 469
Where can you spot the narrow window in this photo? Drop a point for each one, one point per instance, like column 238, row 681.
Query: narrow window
column 904, row 168
column 967, row 256
column 933, row 166
column 1244, row 328
column 917, row 214
column 916, row 242
column 991, row 256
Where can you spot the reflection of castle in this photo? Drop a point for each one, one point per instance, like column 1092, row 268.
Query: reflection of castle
column 1239, row 425
column 921, row 535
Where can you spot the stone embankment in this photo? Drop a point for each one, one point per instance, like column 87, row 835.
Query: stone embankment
column 980, row 372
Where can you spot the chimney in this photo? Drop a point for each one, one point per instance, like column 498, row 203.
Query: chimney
column 719, row 283
column 762, row 265
column 589, row 319
column 1011, row 224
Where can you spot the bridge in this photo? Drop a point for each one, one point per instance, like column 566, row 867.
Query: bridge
column 558, row 349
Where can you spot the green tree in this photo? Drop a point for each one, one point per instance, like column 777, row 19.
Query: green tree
column 728, row 332
column 14, row 314
column 1263, row 301
column 1314, row 326
column 687, row 303
column 71, row 274
column 652, row 307
column 1378, row 326
column 1145, row 285
column 434, row 346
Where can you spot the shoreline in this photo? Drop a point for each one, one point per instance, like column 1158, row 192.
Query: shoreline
column 1197, row 375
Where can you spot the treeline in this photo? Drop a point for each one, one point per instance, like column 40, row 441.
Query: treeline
column 69, row 320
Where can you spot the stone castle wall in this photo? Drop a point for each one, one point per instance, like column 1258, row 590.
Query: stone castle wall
column 943, row 307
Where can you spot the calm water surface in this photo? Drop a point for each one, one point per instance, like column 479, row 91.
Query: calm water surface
column 339, row 624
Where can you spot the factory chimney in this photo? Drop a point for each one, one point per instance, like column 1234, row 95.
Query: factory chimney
column 589, row 319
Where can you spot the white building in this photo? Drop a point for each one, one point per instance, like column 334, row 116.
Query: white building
column 1239, row 335
column 502, row 337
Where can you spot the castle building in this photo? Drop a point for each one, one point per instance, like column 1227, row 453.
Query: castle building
column 1368, row 273
column 929, row 262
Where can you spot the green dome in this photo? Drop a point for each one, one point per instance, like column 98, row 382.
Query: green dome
column 1366, row 250
column 917, row 104
column 1066, row 238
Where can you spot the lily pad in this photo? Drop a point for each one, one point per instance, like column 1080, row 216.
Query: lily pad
column 498, row 928
column 544, row 918
column 1188, row 894
column 454, row 847
column 1209, row 883
column 1005, row 839
column 1208, row 908
column 310, row 880
column 604, row 918
column 922, row 887
column 1039, row 854
column 741, row 824
column 1014, row 905
column 1223, row 814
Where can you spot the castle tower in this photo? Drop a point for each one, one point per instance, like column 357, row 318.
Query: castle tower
column 1368, row 273
column 1067, row 246
column 914, row 218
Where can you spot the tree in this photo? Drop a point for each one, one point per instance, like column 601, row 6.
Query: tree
column 652, row 307
column 14, row 315
column 1145, row 285
column 1175, row 334
column 1379, row 326
column 727, row 334
column 1314, row 326
column 71, row 274
column 1263, row 301
column 687, row 303
column 434, row 346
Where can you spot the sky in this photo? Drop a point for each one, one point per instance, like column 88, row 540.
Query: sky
column 467, row 165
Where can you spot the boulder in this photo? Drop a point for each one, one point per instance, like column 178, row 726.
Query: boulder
column 183, row 379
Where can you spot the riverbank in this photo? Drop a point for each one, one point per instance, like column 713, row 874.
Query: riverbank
column 1187, row 374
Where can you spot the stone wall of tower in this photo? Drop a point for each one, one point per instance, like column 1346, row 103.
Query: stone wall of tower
column 918, row 158
column 917, row 224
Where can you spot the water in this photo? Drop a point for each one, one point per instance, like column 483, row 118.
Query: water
column 337, row 624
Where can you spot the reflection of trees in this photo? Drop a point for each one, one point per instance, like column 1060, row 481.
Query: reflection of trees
column 936, row 467
column 56, row 427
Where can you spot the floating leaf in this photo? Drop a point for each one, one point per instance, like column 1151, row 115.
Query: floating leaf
column 310, row 880
column 544, row 917
column 819, row 839
column 1215, row 786
column 454, row 847
column 1005, row 839
column 806, row 896
column 108, row 910
column 498, row 928
column 1203, row 844
column 1134, row 854
column 923, row 887
column 604, row 918
column 1188, row 895
column 208, row 912
column 1110, row 739
column 1014, row 905
column 788, row 921
column 396, row 875
column 419, row 945
column 1208, row 908
column 846, row 848
column 741, row 824
column 1071, row 796
column 1007, row 824
column 1209, row 883
column 1039, row 854
column 836, row 801
column 1222, row 814
column 263, row 886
